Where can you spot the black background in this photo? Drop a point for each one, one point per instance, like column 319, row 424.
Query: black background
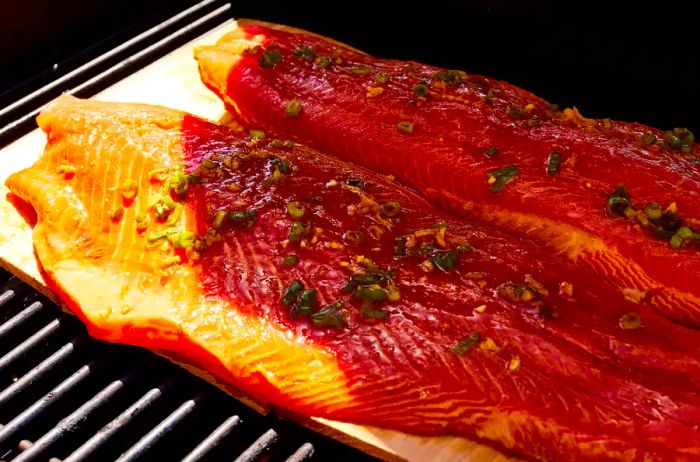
column 632, row 61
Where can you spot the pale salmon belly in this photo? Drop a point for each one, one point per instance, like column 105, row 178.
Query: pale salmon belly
column 484, row 149
column 328, row 290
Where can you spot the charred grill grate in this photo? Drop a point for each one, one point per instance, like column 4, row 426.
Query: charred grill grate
column 66, row 397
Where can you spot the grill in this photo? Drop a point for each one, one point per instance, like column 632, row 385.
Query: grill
column 66, row 397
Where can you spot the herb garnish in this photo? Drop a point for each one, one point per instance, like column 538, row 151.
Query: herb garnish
column 329, row 316
column 553, row 162
column 293, row 108
column 270, row 58
column 501, row 177
column 467, row 343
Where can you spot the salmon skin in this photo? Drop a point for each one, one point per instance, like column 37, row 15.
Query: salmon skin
column 328, row 290
column 619, row 199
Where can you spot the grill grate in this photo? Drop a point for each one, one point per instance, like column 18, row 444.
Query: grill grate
column 66, row 397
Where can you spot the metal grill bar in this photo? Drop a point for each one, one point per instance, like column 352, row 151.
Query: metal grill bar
column 260, row 445
column 303, row 453
column 25, row 347
column 41, row 370
column 213, row 440
column 35, row 410
column 150, row 439
column 126, row 417
column 20, row 317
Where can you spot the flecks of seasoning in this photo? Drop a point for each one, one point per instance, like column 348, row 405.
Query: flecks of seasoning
column 293, row 108
column 480, row 309
column 290, row 260
column 529, row 107
column 466, row 343
column 566, row 288
column 405, row 126
column 630, row 321
column 489, row 345
column 488, row 98
column 257, row 134
column 514, row 363
column 270, row 58
column 374, row 91
column 491, row 151
column 553, row 162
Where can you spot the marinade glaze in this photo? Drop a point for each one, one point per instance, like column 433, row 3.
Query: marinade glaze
column 439, row 325
column 619, row 199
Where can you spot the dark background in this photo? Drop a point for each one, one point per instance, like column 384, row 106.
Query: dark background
column 632, row 61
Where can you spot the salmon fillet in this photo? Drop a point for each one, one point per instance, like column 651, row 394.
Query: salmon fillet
column 328, row 290
column 619, row 199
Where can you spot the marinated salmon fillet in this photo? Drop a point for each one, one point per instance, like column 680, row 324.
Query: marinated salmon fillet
column 619, row 199
column 328, row 290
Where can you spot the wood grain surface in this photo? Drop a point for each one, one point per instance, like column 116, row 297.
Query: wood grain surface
column 173, row 81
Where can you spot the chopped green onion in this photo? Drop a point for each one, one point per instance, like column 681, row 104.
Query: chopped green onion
column 323, row 61
column 451, row 77
column 361, row 70
column 329, row 316
column 292, row 292
column 381, row 77
column 516, row 112
column 353, row 237
column 400, row 249
column 158, row 235
column 270, row 58
column 653, row 211
column 630, row 321
column 282, row 165
column 356, row 182
column 259, row 134
column 368, row 311
column 219, row 218
column 293, row 108
column 183, row 240
column 618, row 201
column 208, row 163
column 307, row 53
column 374, row 294
column 178, row 183
column 630, row 212
column 467, row 343
column 295, row 209
column 647, row 138
column 244, row 218
column 361, row 279
column 307, row 300
column 290, row 260
column 445, row 261
column 553, row 162
column 670, row 222
column 502, row 177
column 194, row 179
column 685, row 232
column 297, row 230
column 390, row 209
column 676, row 241
column 491, row 151
column 420, row 89
column 405, row 126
